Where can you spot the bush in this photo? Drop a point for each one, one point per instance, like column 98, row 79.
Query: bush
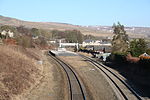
column 138, row 47
column 148, row 51
column 118, row 58
column 24, row 41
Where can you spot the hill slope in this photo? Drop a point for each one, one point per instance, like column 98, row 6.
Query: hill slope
column 18, row 70
column 92, row 30
column 44, row 25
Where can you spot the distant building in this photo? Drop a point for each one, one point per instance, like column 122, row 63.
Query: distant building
column 9, row 33
column 52, row 41
column 89, row 42
column 3, row 33
column 97, row 45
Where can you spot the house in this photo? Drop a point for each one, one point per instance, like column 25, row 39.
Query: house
column 3, row 33
column 7, row 33
column 90, row 42
column 10, row 34
column 97, row 45
column 52, row 41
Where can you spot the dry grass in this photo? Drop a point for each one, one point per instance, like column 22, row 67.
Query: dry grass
column 18, row 70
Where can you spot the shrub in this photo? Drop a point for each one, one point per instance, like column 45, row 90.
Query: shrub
column 138, row 47
column 10, row 41
column 148, row 51
column 118, row 58
column 24, row 41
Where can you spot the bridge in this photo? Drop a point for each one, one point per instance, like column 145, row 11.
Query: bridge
column 69, row 45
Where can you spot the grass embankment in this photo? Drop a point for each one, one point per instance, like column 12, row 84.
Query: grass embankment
column 18, row 70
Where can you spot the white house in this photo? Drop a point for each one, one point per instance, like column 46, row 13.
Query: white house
column 3, row 33
column 10, row 34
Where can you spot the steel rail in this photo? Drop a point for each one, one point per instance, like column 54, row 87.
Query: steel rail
column 75, row 87
column 122, row 81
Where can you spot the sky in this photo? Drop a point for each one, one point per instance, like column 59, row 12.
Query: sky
column 80, row 12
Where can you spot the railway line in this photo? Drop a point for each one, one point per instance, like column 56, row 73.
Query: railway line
column 121, row 88
column 76, row 89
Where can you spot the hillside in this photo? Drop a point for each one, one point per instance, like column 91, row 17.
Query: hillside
column 92, row 30
column 45, row 25
column 19, row 70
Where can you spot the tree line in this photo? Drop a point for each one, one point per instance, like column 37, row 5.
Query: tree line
column 71, row 36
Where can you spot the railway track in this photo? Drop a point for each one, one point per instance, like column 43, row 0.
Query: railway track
column 76, row 91
column 121, row 88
